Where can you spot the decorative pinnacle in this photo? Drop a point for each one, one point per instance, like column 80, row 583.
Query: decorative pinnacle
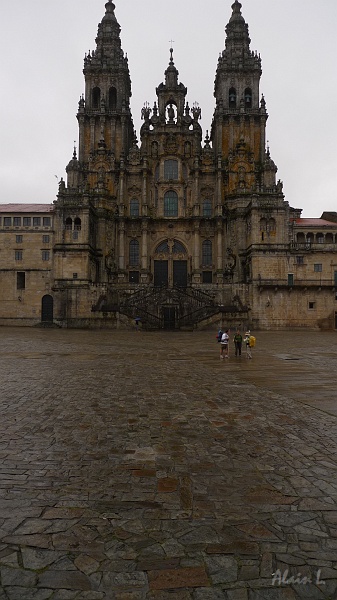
column 236, row 7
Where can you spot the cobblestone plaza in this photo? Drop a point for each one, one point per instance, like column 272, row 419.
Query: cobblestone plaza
column 140, row 466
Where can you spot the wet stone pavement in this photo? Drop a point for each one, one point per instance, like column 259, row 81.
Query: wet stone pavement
column 139, row 466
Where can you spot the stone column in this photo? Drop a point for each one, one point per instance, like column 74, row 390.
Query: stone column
column 121, row 244
column 196, row 265
column 92, row 134
column 219, row 264
column 144, row 246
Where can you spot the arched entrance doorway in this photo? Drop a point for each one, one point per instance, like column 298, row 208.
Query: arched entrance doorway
column 47, row 309
column 170, row 264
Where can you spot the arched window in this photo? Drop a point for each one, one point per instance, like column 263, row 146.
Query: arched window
column 207, row 208
column 134, row 253
column 271, row 226
column 309, row 239
column 263, row 224
column 96, row 98
column 248, row 98
column 232, row 98
column 69, row 224
column 163, row 248
column 178, row 248
column 112, row 98
column 300, row 238
column 320, row 238
column 77, row 224
column 170, row 169
column 207, row 253
column 171, row 204
column 134, row 208
column 329, row 238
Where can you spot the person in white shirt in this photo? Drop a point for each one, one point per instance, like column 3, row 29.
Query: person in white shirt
column 247, row 342
column 224, row 344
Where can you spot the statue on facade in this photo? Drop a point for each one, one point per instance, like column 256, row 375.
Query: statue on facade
column 111, row 265
column 230, row 265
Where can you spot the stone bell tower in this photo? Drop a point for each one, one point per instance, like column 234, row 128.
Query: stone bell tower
column 87, row 203
column 239, row 126
column 104, row 113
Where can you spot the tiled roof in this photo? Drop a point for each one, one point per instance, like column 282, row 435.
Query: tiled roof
column 26, row 208
column 314, row 223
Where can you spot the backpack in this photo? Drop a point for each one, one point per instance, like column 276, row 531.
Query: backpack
column 252, row 341
column 219, row 335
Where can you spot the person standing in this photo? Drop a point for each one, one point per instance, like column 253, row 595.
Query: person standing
column 237, row 342
column 247, row 342
column 224, row 353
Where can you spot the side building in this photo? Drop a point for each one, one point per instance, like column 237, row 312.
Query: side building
column 26, row 263
column 181, row 229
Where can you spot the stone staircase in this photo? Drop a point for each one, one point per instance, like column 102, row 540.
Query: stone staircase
column 191, row 306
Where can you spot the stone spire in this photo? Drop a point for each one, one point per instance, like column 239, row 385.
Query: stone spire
column 108, row 43
column 107, row 92
column 171, row 92
column 171, row 74
column 239, row 125
column 239, row 69
column 237, row 51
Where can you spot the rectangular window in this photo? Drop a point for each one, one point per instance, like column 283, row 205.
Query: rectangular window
column 207, row 253
column 134, row 253
column 299, row 260
column 134, row 208
column 171, row 169
column 290, row 279
column 320, row 240
column 18, row 239
column 75, row 275
column 45, row 239
column 133, row 276
column 207, row 277
column 18, row 254
column 7, row 221
column 27, row 221
column 171, row 204
column 36, row 221
column 20, row 280
column 45, row 255
column 46, row 221
column 312, row 305
column 17, row 221
column 207, row 208
column 318, row 268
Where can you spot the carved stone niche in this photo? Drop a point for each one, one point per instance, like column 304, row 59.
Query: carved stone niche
column 207, row 192
column 134, row 191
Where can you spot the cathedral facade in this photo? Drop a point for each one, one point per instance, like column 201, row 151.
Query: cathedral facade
column 180, row 230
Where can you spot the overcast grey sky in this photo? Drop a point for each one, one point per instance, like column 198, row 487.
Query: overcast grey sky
column 42, row 46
